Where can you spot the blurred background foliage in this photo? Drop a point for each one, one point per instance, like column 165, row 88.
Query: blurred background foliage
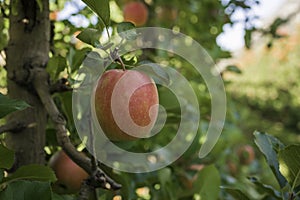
column 262, row 94
column 271, row 87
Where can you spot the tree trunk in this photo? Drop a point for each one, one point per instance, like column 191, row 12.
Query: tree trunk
column 28, row 48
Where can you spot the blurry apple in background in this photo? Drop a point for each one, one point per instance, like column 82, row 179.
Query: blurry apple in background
column 126, row 101
column 69, row 175
column 246, row 154
column 135, row 12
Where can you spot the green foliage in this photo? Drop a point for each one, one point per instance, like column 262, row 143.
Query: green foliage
column 8, row 105
column 40, row 4
column 289, row 164
column 7, row 158
column 90, row 36
column 284, row 164
column 62, row 197
column 233, row 68
column 271, row 88
column 76, row 58
column 127, row 30
column 56, row 65
column 270, row 146
column 236, row 193
column 31, row 172
column 208, row 183
column 3, row 34
column 101, row 8
column 266, row 189
column 28, row 182
column 27, row 190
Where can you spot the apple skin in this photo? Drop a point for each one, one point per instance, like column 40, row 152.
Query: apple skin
column 69, row 175
column 128, row 98
column 135, row 12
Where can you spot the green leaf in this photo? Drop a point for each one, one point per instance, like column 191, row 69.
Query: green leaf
column 233, row 68
column 56, row 64
column 235, row 193
column 7, row 157
column 90, row 36
column 14, row 7
column 207, row 184
column 269, row 190
column 269, row 146
column 32, row 172
column 210, row 182
column 40, row 4
column 27, row 190
column 127, row 30
column 101, row 8
column 155, row 72
column 8, row 105
column 93, row 62
column 164, row 176
column 79, row 57
column 62, row 197
column 3, row 35
column 168, row 99
column 248, row 38
column 289, row 164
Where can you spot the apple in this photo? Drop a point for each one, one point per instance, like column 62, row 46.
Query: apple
column 126, row 104
column 135, row 12
column 69, row 175
column 246, row 154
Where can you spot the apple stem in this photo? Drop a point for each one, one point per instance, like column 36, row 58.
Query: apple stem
column 114, row 55
column 122, row 64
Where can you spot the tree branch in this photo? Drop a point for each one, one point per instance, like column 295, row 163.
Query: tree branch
column 60, row 86
column 97, row 178
column 14, row 126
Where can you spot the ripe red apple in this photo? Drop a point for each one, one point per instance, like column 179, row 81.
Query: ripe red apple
column 126, row 104
column 69, row 175
column 135, row 12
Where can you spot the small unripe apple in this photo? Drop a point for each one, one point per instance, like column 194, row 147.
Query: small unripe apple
column 135, row 12
column 246, row 154
column 126, row 104
column 69, row 175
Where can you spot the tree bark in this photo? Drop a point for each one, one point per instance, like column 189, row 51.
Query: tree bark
column 28, row 48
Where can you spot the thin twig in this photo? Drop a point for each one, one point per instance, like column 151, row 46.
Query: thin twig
column 41, row 85
column 92, row 146
column 87, row 190
column 60, row 86
column 13, row 126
